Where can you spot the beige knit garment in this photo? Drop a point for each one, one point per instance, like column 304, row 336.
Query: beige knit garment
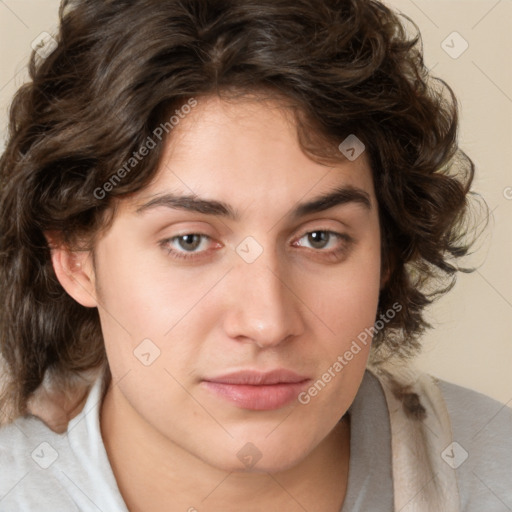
column 420, row 432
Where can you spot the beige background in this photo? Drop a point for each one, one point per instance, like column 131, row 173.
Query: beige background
column 472, row 341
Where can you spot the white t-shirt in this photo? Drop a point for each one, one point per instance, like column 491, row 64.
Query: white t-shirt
column 43, row 471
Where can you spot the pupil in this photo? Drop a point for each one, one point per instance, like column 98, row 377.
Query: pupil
column 190, row 239
column 318, row 237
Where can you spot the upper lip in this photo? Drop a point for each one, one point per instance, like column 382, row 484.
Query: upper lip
column 254, row 377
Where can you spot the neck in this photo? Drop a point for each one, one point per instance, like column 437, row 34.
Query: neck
column 158, row 475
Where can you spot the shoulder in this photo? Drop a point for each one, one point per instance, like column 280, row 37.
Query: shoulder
column 469, row 434
column 45, row 470
column 476, row 412
column 28, row 450
column 482, row 448
column 19, row 443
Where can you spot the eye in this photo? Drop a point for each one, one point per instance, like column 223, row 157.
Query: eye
column 186, row 246
column 319, row 239
column 195, row 245
column 326, row 242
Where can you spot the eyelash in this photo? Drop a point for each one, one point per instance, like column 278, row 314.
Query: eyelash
column 348, row 240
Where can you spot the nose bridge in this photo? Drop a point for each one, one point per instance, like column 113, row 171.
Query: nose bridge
column 263, row 308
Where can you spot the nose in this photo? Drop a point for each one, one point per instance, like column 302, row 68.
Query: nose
column 263, row 308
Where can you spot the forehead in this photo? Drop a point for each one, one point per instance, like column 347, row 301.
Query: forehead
column 244, row 151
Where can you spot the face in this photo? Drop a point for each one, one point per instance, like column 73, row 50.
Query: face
column 252, row 272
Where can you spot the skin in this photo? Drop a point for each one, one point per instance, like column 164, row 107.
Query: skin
column 172, row 443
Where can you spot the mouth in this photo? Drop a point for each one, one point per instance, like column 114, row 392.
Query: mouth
column 258, row 391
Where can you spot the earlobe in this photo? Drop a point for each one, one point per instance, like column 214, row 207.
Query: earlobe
column 387, row 269
column 384, row 278
column 75, row 272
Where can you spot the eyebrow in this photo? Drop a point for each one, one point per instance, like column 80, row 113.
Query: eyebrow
column 339, row 196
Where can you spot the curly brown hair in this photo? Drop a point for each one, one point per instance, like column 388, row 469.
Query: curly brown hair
column 122, row 66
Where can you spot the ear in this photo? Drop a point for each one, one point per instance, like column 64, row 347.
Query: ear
column 384, row 278
column 387, row 267
column 74, row 270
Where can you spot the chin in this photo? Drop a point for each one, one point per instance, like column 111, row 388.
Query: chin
column 262, row 466
column 259, row 458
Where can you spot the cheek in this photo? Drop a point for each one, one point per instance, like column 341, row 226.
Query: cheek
column 346, row 304
column 348, row 308
column 143, row 299
column 346, row 299
column 139, row 292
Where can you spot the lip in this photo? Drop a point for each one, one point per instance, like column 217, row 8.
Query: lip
column 258, row 391
column 255, row 377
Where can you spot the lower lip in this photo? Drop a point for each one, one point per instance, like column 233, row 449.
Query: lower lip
column 258, row 398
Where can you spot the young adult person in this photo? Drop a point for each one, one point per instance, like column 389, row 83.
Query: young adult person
column 221, row 222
